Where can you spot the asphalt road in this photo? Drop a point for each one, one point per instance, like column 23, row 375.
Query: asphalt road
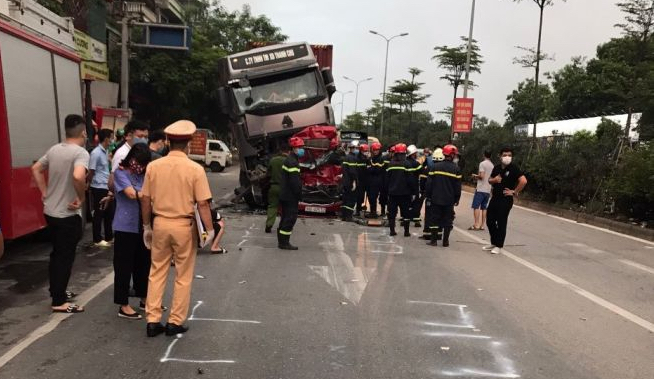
column 566, row 301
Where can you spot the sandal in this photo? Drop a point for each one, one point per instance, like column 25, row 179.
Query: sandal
column 474, row 228
column 73, row 308
column 222, row 250
column 70, row 295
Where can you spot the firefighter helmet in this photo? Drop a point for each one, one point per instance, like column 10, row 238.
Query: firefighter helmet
column 376, row 146
column 364, row 147
column 296, row 142
column 354, row 144
column 400, row 148
column 412, row 149
column 450, row 150
column 438, row 155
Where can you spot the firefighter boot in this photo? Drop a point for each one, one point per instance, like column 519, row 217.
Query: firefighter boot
column 392, row 226
column 407, row 225
column 434, row 238
column 284, row 243
column 446, row 236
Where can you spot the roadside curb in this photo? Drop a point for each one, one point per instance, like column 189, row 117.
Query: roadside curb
column 583, row 218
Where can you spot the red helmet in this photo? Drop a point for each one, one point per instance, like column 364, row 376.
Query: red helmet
column 400, row 148
column 363, row 147
column 296, row 142
column 376, row 146
column 450, row 150
column 392, row 149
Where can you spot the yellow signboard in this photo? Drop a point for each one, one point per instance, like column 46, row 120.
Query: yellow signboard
column 94, row 71
column 90, row 49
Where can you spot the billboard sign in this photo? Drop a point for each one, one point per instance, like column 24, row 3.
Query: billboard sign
column 463, row 115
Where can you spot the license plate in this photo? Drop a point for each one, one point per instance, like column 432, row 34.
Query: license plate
column 315, row 209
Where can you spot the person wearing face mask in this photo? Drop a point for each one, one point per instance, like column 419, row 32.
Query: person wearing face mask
column 63, row 195
column 131, row 257
column 507, row 181
column 349, row 181
column 99, row 180
column 415, row 169
column 400, row 189
column 290, row 193
column 157, row 143
column 135, row 132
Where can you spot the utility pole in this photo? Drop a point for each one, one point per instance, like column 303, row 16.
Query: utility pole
column 124, row 60
column 472, row 25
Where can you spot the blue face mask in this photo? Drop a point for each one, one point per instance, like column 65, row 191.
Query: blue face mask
column 136, row 140
column 300, row 153
column 356, row 151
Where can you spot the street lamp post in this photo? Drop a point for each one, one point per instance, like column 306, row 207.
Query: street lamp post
column 356, row 96
column 472, row 25
column 343, row 102
column 388, row 41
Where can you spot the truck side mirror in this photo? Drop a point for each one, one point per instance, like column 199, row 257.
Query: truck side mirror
column 328, row 78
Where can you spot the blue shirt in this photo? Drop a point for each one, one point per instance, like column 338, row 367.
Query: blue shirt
column 99, row 162
column 127, row 216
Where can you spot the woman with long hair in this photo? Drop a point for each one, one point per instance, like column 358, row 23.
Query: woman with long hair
column 131, row 257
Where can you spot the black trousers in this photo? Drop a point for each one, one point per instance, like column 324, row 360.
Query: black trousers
column 349, row 202
column 497, row 218
column 442, row 216
column 289, row 216
column 416, row 207
column 360, row 195
column 403, row 202
column 131, row 261
column 373, row 191
column 65, row 234
column 102, row 217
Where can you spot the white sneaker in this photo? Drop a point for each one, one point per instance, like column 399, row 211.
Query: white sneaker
column 496, row 250
column 488, row 247
column 103, row 243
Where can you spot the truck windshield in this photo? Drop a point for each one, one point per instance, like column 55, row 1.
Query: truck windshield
column 279, row 91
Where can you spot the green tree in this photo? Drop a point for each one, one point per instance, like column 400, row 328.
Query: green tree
column 522, row 108
column 453, row 61
column 538, row 55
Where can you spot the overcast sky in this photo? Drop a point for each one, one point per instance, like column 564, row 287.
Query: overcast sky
column 570, row 29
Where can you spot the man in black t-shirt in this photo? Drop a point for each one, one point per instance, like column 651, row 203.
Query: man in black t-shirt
column 507, row 181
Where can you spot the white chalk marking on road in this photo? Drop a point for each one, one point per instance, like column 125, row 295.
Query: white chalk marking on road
column 55, row 319
column 585, row 247
column 581, row 224
column 197, row 304
column 588, row 295
column 349, row 281
column 472, row 372
column 199, row 361
column 637, row 265
column 442, row 325
column 456, row 335
column 240, row 244
column 436, row 303
column 224, row 320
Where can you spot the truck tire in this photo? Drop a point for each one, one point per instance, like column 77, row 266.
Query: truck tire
column 216, row 167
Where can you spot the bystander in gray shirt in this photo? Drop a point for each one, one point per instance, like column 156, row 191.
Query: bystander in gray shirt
column 486, row 167
column 60, row 162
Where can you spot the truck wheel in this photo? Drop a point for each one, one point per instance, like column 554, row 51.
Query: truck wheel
column 216, row 167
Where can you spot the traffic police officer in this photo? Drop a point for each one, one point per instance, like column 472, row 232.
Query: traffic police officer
column 275, row 175
column 415, row 169
column 444, row 192
column 172, row 187
column 291, row 193
column 400, row 189
column 350, row 181
column 362, row 178
column 376, row 171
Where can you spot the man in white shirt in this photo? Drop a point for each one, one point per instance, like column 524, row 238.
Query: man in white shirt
column 482, row 193
column 135, row 132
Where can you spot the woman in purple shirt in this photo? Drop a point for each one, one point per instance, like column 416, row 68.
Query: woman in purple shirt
column 131, row 257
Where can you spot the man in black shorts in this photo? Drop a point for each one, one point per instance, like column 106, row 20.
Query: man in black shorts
column 507, row 181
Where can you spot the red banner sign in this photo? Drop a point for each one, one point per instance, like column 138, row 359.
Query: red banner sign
column 463, row 115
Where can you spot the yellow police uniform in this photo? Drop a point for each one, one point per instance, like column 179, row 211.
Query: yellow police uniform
column 174, row 184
